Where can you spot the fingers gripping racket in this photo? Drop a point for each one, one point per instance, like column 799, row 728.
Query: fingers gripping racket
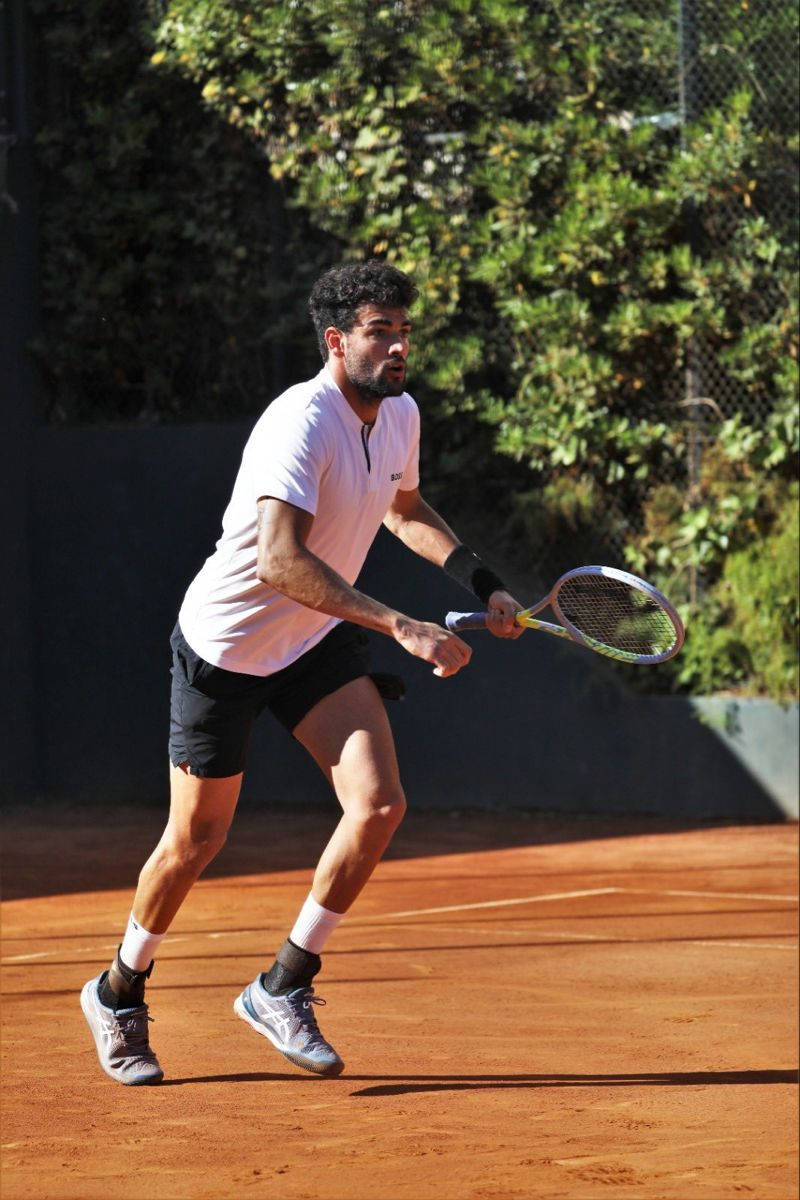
column 606, row 609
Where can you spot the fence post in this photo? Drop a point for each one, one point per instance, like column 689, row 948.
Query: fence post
column 693, row 381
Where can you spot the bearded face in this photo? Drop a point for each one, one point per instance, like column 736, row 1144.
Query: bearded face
column 375, row 352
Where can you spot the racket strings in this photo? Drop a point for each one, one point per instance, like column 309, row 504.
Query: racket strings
column 611, row 612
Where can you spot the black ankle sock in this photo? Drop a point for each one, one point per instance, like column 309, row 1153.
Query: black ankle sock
column 293, row 968
column 105, row 993
column 121, row 987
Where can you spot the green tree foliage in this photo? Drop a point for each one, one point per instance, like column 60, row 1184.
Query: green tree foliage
column 165, row 252
column 575, row 248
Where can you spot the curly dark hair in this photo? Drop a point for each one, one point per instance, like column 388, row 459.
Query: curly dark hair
column 338, row 294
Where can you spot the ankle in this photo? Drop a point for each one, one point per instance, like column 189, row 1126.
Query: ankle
column 121, row 987
column 293, row 968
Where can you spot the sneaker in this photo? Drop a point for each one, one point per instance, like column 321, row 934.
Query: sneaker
column 290, row 1024
column 121, row 1038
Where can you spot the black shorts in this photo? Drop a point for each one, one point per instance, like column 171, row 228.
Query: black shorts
column 213, row 710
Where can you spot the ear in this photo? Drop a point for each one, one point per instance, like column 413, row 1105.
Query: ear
column 333, row 340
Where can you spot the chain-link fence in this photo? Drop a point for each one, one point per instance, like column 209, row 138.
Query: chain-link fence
column 669, row 65
column 681, row 59
column 763, row 61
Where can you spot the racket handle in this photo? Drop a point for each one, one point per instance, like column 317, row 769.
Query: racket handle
column 458, row 622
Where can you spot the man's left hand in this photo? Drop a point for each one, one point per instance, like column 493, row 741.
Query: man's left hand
column 502, row 608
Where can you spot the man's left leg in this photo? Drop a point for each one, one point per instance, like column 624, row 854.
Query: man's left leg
column 349, row 736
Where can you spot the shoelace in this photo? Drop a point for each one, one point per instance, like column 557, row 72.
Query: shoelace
column 301, row 1006
column 134, row 1027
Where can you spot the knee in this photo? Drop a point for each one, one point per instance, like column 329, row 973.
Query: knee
column 191, row 851
column 383, row 813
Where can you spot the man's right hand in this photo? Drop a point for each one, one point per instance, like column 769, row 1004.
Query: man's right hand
column 436, row 645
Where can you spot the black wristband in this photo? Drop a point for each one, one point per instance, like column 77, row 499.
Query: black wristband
column 468, row 570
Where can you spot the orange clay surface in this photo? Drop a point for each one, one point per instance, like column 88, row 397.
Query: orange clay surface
column 527, row 1007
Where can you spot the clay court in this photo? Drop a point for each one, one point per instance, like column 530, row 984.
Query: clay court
column 527, row 1007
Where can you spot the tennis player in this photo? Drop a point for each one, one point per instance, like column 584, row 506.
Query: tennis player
column 273, row 620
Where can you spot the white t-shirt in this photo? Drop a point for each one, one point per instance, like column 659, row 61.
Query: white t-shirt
column 311, row 449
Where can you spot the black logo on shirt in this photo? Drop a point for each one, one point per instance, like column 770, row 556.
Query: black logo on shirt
column 397, row 475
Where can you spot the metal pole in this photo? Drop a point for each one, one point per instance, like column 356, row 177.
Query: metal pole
column 693, row 381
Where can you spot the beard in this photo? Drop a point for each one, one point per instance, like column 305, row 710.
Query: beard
column 373, row 382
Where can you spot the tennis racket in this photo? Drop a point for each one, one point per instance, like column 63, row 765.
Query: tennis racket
column 608, row 610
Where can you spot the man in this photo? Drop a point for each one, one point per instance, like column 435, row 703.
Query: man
column 272, row 620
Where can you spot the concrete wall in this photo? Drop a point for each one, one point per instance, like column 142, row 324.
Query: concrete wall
column 123, row 517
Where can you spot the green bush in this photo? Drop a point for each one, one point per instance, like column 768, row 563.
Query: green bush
column 746, row 632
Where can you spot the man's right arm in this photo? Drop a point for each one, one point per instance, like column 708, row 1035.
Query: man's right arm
column 286, row 564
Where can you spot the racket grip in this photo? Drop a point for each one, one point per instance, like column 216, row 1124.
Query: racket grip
column 458, row 622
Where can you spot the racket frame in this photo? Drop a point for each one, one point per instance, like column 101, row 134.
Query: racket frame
column 527, row 617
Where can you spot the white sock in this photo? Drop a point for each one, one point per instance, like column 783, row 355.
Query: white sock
column 138, row 946
column 314, row 926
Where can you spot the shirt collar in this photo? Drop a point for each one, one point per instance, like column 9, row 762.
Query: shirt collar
column 349, row 413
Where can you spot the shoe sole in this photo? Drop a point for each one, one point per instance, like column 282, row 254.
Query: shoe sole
column 297, row 1059
column 86, row 1007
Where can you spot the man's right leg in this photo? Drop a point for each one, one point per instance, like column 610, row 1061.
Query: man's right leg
column 201, row 811
column 200, row 815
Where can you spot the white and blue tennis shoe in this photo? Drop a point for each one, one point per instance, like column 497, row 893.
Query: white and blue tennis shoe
column 121, row 1038
column 290, row 1024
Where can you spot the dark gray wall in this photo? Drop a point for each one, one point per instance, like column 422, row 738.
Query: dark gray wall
column 19, row 320
column 122, row 519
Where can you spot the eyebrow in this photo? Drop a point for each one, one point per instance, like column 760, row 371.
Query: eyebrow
column 385, row 321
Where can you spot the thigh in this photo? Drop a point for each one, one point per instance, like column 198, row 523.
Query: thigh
column 341, row 657
column 349, row 736
column 201, row 809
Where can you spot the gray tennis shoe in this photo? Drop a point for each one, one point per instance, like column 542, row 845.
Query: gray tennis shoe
column 121, row 1038
column 290, row 1024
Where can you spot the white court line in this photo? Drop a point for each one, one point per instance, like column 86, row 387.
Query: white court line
column 28, row 957
column 537, row 899
column 170, row 940
column 711, row 895
column 632, row 941
column 588, row 938
column 749, row 945
column 420, row 912
column 374, row 917
column 17, row 958
column 572, row 936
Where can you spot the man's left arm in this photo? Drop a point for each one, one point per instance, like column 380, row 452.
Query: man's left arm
column 423, row 530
